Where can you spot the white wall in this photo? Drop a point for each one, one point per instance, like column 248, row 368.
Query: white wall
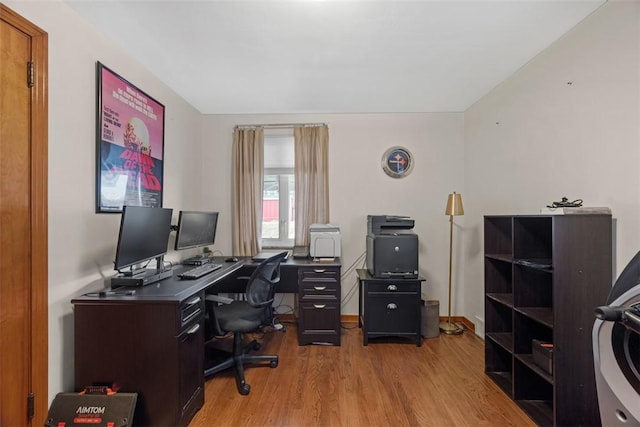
column 537, row 138
column 358, row 185
column 81, row 242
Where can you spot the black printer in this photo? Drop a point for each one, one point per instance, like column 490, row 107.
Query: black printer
column 392, row 248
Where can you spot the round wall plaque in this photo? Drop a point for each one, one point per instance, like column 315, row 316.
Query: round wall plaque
column 397, row 162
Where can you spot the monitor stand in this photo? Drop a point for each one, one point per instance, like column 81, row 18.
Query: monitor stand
column 147, row 277
column 134, row 273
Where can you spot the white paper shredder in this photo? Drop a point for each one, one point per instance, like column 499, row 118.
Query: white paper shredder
column 324, row 241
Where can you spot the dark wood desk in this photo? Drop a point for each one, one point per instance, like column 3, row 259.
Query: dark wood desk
column 152, row 343
column 289, row 274
column 316, row 285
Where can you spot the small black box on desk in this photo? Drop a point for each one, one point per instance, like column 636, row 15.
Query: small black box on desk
column 78, row 409
column 542, row 353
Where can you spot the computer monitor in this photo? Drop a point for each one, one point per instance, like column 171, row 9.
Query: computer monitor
column 144, row 235
column 196, row 229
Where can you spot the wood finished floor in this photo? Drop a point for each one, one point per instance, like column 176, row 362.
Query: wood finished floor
column 390, row 382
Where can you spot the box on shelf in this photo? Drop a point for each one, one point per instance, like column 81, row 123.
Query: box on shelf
column 582, row 210
column 542, row 353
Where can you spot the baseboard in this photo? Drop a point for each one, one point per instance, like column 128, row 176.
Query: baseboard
column 287, row 318
column 353, row 318
column 349, row 318
column 469, row 325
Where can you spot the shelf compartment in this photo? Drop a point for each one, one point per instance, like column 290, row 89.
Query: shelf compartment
column 532, row 237
column 529, row 385
column 532, row 287
column 504, row 380
column 503, row 339
column 498, row 276
column 527, row 360
column 499, row 365
column 499, row 317
column 533, row 393
column 526, row 329
column 542, row 315
column 540, row 411
column 498, row 232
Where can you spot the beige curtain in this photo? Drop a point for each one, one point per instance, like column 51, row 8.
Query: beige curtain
column 312, row 179
column 248, row 171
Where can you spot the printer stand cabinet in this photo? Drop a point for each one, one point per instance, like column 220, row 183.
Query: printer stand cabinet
column 389, row 307
column 153, row 348
column 319, row 304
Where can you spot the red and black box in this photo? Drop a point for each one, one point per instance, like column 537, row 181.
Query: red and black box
column 86, row 409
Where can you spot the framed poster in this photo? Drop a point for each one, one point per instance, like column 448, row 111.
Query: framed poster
column 130, row 144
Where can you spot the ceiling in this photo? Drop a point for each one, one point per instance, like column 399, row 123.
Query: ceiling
column 333, row 56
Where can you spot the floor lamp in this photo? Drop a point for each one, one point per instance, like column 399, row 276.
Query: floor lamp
column 454, row 207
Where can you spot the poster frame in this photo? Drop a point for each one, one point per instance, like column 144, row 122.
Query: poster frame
column 129, row 168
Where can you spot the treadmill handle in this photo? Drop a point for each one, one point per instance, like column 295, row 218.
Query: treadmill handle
column 610, row 313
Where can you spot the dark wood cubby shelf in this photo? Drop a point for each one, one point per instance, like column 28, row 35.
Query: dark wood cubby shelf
column 544, row 275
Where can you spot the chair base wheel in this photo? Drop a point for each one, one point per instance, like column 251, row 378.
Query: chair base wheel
column 244, row 389
column 273, row 364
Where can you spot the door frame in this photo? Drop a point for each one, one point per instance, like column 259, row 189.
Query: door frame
column 39, row 337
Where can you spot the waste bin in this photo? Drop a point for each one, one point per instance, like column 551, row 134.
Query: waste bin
column 430, row 318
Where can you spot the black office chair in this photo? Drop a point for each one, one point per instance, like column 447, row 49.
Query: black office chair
column 225, row 315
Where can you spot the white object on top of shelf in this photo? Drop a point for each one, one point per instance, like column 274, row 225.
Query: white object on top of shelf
column 582, row 210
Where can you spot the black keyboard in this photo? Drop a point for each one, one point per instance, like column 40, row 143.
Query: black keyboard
column 201, row 270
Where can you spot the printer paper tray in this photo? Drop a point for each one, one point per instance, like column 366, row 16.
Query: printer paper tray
column 398, row 275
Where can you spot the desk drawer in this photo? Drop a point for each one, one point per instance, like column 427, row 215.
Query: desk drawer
column 320, row 273
column 392, row 313
column 321, row 323
column 190, row 312
column 319, row 283
column 394, row 287
column 319, row 290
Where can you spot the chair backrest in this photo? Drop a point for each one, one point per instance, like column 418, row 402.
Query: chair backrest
column 261, row 288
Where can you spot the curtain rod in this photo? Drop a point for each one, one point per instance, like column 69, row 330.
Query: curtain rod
column 279, row 125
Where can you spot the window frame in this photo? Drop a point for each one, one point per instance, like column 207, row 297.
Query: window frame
column 280, row 163
column 284, row 206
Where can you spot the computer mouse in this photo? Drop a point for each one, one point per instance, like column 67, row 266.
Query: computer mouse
column 232, row 259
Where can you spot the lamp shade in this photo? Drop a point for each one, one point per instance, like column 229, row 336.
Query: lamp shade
column 454, row 204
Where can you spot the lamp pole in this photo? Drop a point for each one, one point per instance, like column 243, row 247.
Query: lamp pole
column 454, row 207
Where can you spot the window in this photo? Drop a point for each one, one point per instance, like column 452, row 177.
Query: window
column 278, row 197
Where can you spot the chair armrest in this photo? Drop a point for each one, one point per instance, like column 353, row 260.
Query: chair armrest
column 218, row 298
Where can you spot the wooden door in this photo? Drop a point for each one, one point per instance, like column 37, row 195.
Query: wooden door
column 23, row 222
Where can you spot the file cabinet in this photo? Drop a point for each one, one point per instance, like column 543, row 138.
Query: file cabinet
column 389, row 307
column 319, row 304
